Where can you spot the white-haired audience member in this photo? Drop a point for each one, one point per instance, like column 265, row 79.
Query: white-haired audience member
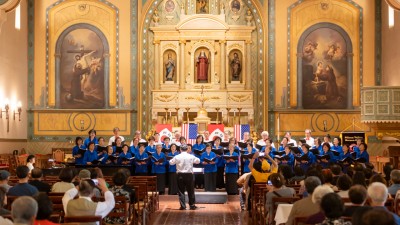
column 316, row 198
column 23, row 211
column 305, row 207
column 378, row 194
column 395, row 178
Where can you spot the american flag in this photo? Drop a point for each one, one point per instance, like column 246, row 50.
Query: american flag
column 239, row 131
column 189, row 131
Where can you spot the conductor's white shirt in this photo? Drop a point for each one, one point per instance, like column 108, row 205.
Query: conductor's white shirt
column 184, row 162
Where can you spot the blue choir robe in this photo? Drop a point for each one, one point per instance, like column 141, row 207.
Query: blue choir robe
column 343, row 156
column 134, row 150
column 89, row 157
column 87, row 141
column 331, row 160
column 337, row 148
column 247, row 161
column 232, row 167
column 281, row 148
column 198, row 146
column 160, row 168
column 289, row 162
column 356, row 149
column 311, row 160
column 263, row 149
column 166, row 146
column 220, row 161
column 115, row 149
column 364, row 155
column 75, row 151
column 123, row 155
column 321, row 152
column 151, row 149
column 106, row 161
column 172, row 168
column 209, row 168
column 141, row 168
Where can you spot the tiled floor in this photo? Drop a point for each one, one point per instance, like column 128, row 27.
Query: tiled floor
column 207, row 214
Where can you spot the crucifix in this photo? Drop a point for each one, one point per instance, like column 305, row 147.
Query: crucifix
column 81, row 51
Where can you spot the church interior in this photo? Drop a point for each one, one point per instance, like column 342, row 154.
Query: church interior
column 70, row 66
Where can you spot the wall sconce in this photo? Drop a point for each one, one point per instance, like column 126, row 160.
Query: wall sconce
column 6, row 111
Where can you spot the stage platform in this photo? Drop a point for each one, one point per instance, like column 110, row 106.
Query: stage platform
column 209, row 197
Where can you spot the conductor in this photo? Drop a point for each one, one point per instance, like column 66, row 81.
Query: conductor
column 184, row 168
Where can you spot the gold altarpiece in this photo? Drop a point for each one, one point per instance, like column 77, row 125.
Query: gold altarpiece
column 176, row 99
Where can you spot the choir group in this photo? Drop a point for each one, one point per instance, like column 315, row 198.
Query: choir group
column 220, row 159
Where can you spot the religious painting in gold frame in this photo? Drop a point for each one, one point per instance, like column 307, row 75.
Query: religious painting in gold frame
column 202, row 6
column 235, row 65
column 169, row 6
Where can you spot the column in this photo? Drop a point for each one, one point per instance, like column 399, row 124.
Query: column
column 248, row 64
column 223, row 64
column 182, row 64
column 157, row 70
column 299, row 81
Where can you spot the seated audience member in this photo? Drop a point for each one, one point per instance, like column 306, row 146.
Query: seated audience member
column 261, row 170
column 3, row 202
column 24, row 210
column 395, row 178
column 336, row 172
column 311, row 172
column 278, row 189
column 84, row 206
column 66, row 176
column 359, row 178
column 23, row 188
column 4, row 178
column 30, row 161
column 356, row 219
column 328, row 177
column 333, row 207
column 344, row 184
column 358, row 196
column 387, row 169
column 378, row 193
column 37, row 176
column 377, row 178
column 377, row 216
column 44, row 211
column 305, row 207
column 86, row 175
column 120, row 189
column 298, row 175
column 316, row 198
column 286, row 171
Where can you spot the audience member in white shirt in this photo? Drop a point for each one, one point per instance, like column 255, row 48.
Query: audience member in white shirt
column 29, row 162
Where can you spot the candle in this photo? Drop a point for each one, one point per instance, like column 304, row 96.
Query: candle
column 234, row 113
column 170, row 114
column 278, row 128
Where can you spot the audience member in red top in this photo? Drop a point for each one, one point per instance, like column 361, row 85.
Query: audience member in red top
column 44, row 211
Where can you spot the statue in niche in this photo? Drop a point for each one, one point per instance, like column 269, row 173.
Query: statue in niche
column 201, row 6
column 169, row 68
column 236, row 67
column 202, row 67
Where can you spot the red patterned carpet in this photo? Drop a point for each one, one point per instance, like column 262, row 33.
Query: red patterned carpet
column 206, row 214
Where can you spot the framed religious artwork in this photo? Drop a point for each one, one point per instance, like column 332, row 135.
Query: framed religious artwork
column 82, row 74
column 236, row 6
column 169, row 6
column 202, row 6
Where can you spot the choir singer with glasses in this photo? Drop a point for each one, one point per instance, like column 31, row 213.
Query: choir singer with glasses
column 184, row 168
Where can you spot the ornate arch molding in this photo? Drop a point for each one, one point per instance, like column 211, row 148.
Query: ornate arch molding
column 259, row 61
column 346, row 15
column 349, row 48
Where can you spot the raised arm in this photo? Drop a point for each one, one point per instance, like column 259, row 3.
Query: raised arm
column 252, row 160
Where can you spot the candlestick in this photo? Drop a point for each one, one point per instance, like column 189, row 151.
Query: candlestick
column 187, row 114
column 166, row 115
column 217, row 109
column 227, row 113
column 239, row 109
column 177, row 116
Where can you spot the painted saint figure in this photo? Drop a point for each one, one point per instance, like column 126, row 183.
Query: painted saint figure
column 236, row 67
column 202, row 67
column 332, row 91
column 202, row 6
column 169, row 68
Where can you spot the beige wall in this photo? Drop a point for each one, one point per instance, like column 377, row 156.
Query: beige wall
column 390, row 49
column 13, row 77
